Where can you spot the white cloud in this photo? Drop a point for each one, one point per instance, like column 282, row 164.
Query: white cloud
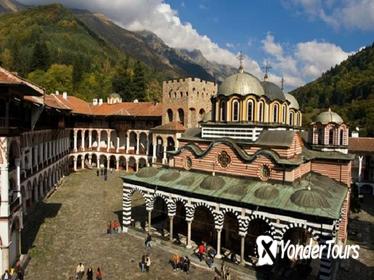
column 351, row 14
column 303, row 62
column 160, row 18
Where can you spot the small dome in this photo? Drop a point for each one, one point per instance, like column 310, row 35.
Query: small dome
column 114, row 95
column 147, row 172
column 272, row 91
column 293, row 102
column 212, row 183
column 170, row 176
column 266, row 192
column 329, row 117
column 241, row 83
column 309, row 198
column 186, row 181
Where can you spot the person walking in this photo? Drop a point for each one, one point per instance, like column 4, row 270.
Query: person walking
column 80, row 271
column 99, row 274
column 6, row 275
column 89, row 273
column 186, row 264
column 147, row 263
column 142, row 264
column 148, row 241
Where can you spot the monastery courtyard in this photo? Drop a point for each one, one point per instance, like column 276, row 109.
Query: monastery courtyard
column 70, row 227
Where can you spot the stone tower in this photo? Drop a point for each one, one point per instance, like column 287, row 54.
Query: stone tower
column 186, row 100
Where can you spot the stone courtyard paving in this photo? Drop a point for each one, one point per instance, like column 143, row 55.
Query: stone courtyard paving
column 361, row 232
column 70, row 227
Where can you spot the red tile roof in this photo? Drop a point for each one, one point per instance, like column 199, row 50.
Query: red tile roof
column 361, row 144
column 23, row 86
column 75, row 104
column 171, row 126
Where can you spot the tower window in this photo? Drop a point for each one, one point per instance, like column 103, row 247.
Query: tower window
column 342, row 137
column 275, row 112
column 284, row 114
column 222, row 111
column 331, row 137
column 261, row 112
column 250, row 110
column 235, row 110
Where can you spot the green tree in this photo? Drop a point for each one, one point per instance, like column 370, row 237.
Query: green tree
column 40, row 56
column 153, row 91
column 138, row 82
column 121, row 81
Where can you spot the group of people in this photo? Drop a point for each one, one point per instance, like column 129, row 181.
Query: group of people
column 113, row 227
column 206, row 254
column 103, row 172
column 16, row 273
column 145, row 263
column 79, row 273
column 182, row 263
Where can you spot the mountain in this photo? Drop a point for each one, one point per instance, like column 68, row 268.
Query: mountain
column 347, row 88
column 11, row 6
column 149, row 48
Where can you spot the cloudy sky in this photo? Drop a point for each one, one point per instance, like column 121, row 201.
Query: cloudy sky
column 299, row 38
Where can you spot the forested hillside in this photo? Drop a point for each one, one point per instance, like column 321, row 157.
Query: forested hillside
column 348, row 88
column 53, row 48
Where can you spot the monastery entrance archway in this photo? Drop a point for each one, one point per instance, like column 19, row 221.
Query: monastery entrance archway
column 138, row 210
column 160, row 215
column 203, row 228
column 230, row 233
column 256, row 227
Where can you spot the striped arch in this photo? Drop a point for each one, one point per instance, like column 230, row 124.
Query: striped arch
column 169, row 203
column 217, row 215
column 235, row 213
column 314, row 234
column 266, row 220
column 126, row 203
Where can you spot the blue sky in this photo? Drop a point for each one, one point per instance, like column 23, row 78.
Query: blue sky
column 300, row 38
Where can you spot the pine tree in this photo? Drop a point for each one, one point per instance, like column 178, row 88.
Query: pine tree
column 121, row 81
column 40, row 57
column 138, row 82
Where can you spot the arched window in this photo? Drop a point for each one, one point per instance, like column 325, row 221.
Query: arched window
column 331, row 136
column 181, row 115
column 275, row 113
column 222, row 111
column 291, row 119
column 250, row 110
column 320, row 136
column 341, row 137
column 235, row 110
column 298, row 119
column 261, row 111
column 284, row 114
column 170, row 115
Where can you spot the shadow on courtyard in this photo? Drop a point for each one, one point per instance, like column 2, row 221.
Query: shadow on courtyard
column 34, row 220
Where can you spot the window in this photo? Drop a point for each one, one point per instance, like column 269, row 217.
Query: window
column 261, row 111
column 188, row 163
column 331, row 137
column 181, row 116
column 265, row 172
column 320, row 136
column 250, row 110
column 275, row 113
column 222, row 111
column 235, row 110
column 298, row 119
column 291, row 118
column 342, row 137
column 170, row 115
column 284, row 114
column 224, row 159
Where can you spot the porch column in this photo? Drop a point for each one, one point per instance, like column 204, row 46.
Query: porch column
column 360, row 159
column 127, row 142
column 108, row 146
column 127, row 164
column 75, row 164
column 75, row 141
column 82, row 162
column 98, row 139
column 83, row 144
column 18, row 182
column 137, row 143
column 219, row 231
column 108, row 163
column 149, row 221
column 154, row 157
column 90, row 159
column 117, row 145
column 136, row 164
column 171, row 220
column 4, row 176
column 148, row 144
column 164, row 159
column 188, row 245
column 90, row 139
column 242, row 248
column 117, row 164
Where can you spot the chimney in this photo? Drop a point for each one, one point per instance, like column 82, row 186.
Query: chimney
column 100, row 101
column 57, row 92
column 94, row 101
column 65, row 95
column 136, row 101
